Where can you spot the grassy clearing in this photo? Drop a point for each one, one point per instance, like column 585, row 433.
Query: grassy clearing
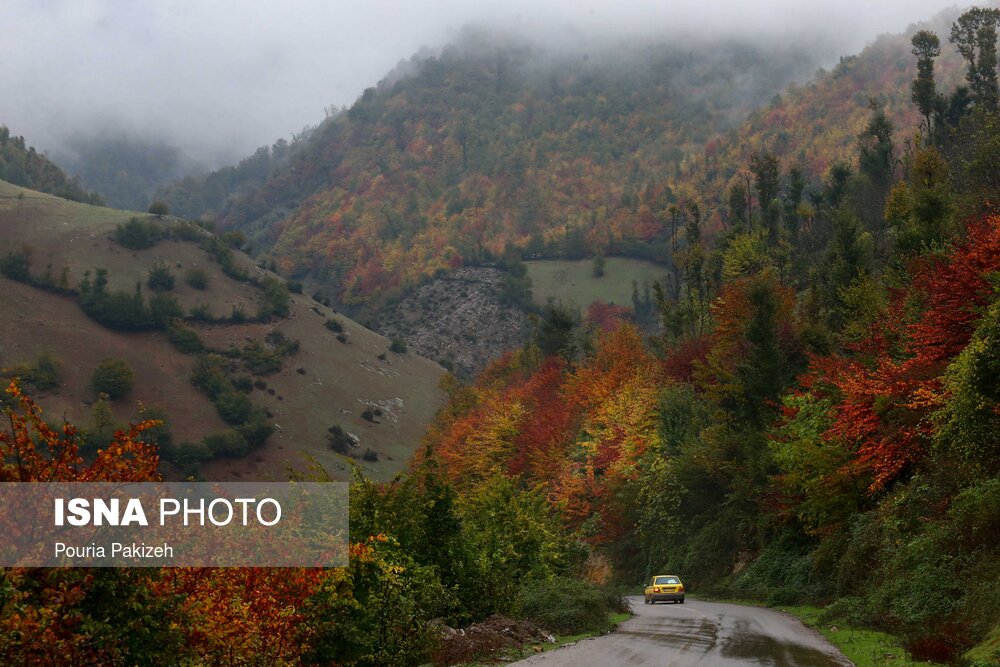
column 864, row 647
column 988, row 652
column 574, row 281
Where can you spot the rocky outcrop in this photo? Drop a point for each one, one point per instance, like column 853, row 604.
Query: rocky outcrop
column 458, row 320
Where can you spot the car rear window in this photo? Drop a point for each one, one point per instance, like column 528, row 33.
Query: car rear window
column 659, row 581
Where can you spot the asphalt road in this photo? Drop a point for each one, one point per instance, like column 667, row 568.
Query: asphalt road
column 707, row 634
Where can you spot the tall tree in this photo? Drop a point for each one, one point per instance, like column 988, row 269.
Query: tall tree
column 926, row 47
column 764, row 166
column 737, row 206
column 877, row 160
column 975, row 37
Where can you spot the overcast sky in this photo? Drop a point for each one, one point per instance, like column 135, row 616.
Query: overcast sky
column 230, row 75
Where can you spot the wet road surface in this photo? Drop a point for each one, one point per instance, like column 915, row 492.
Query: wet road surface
column 707, row 634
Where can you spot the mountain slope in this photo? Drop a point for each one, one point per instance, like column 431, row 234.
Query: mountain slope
column 815, row 125
column 317, row 383
column 22, row 165
column 500, row 141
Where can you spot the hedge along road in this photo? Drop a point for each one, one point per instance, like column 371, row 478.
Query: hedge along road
column 707, row 634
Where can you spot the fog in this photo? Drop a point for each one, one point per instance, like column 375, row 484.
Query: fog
column 219, row 78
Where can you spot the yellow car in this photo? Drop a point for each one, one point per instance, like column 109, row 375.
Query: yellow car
column 665, row 587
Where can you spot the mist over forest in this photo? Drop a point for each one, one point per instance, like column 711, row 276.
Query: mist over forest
column 188, row 84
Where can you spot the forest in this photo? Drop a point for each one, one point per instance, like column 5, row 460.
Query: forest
column 805, row 410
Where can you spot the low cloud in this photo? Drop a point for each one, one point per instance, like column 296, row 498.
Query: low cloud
column 220, row 78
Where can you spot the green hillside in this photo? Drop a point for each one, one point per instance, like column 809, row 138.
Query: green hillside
column 299, row 395
column 22, row 165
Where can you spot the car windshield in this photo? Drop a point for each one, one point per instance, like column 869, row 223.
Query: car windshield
column 659, row 581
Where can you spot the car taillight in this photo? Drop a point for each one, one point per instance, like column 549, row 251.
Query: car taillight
column 680, row 589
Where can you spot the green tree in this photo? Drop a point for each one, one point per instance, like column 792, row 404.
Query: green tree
column 164, row 309
column 598, row 266
column 137, row 234
column 737, row 206
column 159, row 208
column 877, row 160
column 196, row 278
column 920, row 207
column 555, row 334
column 113, row 377
column 767, row 182
column 43, row 375
column 160, row 279
column 975, row 37
column 926, row 47
column 274, row 299
column 847, row 259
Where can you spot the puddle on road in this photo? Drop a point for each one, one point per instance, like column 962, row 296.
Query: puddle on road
column 769, row 652
column 700, row 633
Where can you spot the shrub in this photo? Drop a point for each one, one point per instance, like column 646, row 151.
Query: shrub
column 43, row 375
column 209, row 375
column 282, row 344
column 186, row 454
column 368, row 414
column 161, row 435
column 338, row 439
column 116, row 310
column 256, row 431
column 227, row 444
column 274, row 300
column 244, row 383
column 370, row 455
column 113, row 377
column 160, row 279
column 186, row 231
column 196, row 278
column 398, row 346
column 200, row 312
column 334, row 325
column 259, row 360
column 137, row 234
column 159, row 208
column 16, row 267
column 234, row 239
column 233, row 407
column 184, row 338
column 598, row 267
column 164, row 309
column 555, row 606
